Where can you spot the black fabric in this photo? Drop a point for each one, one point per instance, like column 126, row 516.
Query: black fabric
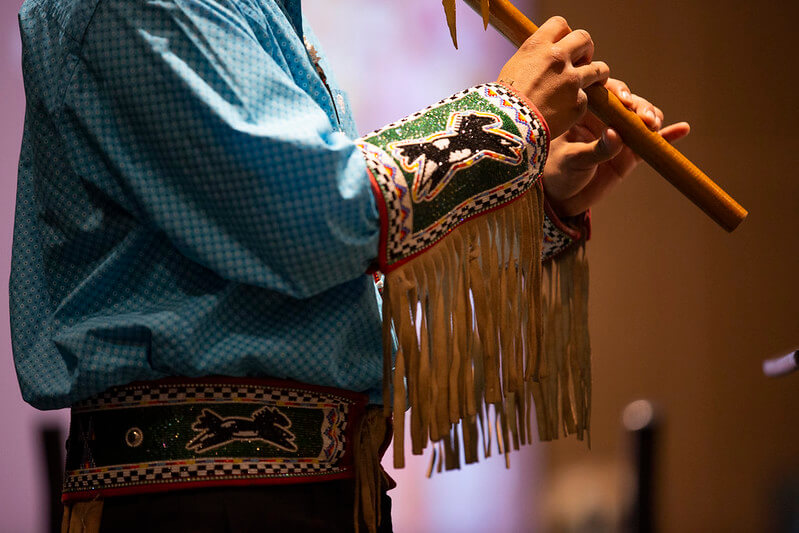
column 308, row 507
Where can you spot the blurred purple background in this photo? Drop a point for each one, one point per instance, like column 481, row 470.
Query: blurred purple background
column 23, row 496
column 411, row 64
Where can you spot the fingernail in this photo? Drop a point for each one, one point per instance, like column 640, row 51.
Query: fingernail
column 625, row 95
column 650, row 114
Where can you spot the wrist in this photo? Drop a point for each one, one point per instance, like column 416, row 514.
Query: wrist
column 576, row 227
column 555, row 199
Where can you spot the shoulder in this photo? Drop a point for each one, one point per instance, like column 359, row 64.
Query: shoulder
column 56, row 21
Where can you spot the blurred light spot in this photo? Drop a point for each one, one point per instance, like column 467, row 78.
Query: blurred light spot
column 638, row 415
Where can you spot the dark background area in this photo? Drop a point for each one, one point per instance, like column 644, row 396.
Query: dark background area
column 681, row 312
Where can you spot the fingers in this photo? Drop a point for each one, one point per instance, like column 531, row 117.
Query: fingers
column 608, row 150
column 621, row 90
column 589, row 195
column 650, row 114
column 586, row 155
column 675, row 132
column 577, row 170
column 579, row 46
column 593, row 164
column 595, row 72
column 553, row 30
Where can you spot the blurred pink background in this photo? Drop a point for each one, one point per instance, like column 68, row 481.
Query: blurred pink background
column 23, row 496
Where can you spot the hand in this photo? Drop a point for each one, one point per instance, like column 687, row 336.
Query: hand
column 551, row 68
column 589, row 159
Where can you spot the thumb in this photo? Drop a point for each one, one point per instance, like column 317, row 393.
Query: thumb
column 606, row 147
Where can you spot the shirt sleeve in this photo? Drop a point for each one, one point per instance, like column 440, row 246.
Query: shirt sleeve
column 207, row 132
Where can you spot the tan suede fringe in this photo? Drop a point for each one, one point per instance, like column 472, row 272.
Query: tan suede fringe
column 82, row 517
column 480, row 347
column 370, row 480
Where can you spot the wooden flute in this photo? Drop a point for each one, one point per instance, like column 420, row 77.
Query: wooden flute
column 650, row 146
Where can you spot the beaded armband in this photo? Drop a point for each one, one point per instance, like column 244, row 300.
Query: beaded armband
column 462, row 157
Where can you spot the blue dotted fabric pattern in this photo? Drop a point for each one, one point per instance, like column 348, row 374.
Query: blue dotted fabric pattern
column 190, row 202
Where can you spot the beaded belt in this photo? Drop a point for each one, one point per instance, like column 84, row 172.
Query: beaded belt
column 189, row 433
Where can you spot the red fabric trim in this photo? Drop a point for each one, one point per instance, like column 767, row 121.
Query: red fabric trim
column 70, row 497
column 382, row 246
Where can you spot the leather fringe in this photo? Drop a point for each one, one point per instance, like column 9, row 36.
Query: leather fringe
column 82, row 517
column 481, row 345
column 371, row 439
column 449, row 10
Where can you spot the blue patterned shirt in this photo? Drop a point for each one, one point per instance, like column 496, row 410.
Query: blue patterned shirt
column 190, row 202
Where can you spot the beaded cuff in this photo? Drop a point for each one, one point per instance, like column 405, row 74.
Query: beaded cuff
column 465, row 156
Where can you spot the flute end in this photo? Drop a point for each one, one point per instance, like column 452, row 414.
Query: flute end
column 732, row 222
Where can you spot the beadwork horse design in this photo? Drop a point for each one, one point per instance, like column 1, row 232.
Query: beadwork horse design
column 436, row 159
column 267, row 424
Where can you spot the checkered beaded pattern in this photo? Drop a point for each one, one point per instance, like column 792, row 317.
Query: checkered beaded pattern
column 164, row 394
column 555, row 240
column 173, row 473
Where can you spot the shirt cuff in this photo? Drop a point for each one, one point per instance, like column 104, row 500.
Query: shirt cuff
column 562, row 233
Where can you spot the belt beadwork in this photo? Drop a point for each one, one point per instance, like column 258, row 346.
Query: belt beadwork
column 182, row 433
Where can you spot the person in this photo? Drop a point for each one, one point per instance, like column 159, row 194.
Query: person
column 196, row 223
